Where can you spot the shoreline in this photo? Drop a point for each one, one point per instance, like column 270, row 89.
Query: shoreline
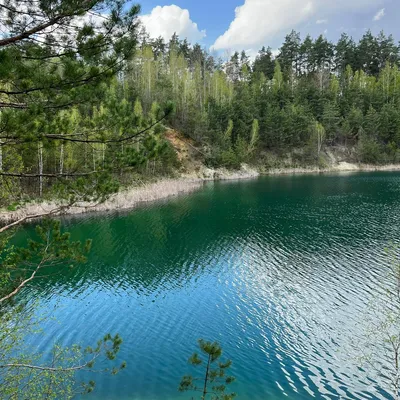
column 341, row 167
column 122, row 201
column 129, row 199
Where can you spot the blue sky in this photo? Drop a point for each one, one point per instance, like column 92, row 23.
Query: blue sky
column 212, row 15
column 229, row 25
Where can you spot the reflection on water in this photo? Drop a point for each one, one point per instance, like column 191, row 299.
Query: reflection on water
column 278, row 270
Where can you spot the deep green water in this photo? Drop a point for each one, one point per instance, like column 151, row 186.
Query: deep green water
column 279, row 270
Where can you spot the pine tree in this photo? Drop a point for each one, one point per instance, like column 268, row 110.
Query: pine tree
column 289, row 56
column 264, row 63
column 306, row 56
column 368, row 58
column 345, row 54
column 214, row 381
column 48, row 68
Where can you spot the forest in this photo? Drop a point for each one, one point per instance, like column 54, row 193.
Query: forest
column 312, row 95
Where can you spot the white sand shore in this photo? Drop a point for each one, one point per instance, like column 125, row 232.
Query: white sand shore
column 132, row 197
column 339, row 167
column 129, row 198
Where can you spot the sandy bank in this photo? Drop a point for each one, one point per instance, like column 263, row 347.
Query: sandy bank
column 209, row 174
column 132, row 197
column 340, row 167
column 124, row 200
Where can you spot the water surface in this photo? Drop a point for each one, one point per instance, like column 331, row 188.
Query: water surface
column 279, row 270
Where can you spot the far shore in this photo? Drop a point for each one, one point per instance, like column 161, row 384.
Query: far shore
column 340, row 167
column 130, row 198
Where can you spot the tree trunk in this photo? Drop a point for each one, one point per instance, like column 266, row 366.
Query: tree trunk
column 62, row 158
column 1, row 155
column 206, row 378
column 149, row 85
column 86, row 151
column 319, row 143
column 94, row 158
column 40, row 156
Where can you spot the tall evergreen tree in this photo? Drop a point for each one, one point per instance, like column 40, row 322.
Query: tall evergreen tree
column 289, row 56
column 264, row 63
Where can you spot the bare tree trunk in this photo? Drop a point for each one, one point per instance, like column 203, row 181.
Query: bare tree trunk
column 149, row 85
column 62, row 158
column 86, row 151
column 319, row 143
column 204, row 83
column 94, row 159
column 40, row 155
column 1, row 156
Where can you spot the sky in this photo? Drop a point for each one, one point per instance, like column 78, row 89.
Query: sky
column 225, row 26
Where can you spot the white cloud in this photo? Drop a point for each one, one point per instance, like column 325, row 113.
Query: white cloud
column 321, row 21
column 167, row 20
column 379, row 15
column 258, row 21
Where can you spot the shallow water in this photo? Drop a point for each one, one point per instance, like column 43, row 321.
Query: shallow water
column 279, row 270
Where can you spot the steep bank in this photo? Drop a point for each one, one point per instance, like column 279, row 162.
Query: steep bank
column 192, row 158
column 129, row 198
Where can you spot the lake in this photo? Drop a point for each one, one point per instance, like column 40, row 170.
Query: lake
column 279, row 270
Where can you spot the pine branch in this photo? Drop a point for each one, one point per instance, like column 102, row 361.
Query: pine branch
column 36, row 29
column 31, row 278
column 53, row 369
column 62, row 85
column 41, row 27
column 68, row 138
column 13, row 105
column 35, row 216
column 109, row 141
column 63, row 175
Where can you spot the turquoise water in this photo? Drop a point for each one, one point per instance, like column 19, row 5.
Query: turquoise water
column 279, row 270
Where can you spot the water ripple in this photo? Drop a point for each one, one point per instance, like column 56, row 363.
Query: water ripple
column 279, row 270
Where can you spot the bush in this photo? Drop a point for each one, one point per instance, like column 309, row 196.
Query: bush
column 369, row 151
column 229, row 159
column 12, row 207
column 322, row 163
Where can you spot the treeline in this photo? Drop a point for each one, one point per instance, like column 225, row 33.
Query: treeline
column 311, row 95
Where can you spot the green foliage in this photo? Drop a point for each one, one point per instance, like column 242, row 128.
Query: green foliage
column 65, row 121
column 214, row 104
column 215, row 381
column 370, row 152
column 229, row 159
column 12, row 207
column 264, row 63
column 28, row 375
column 52, row 250
column 65, row 117
column 254, row 136
column 317, row 135
column 309, row 81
